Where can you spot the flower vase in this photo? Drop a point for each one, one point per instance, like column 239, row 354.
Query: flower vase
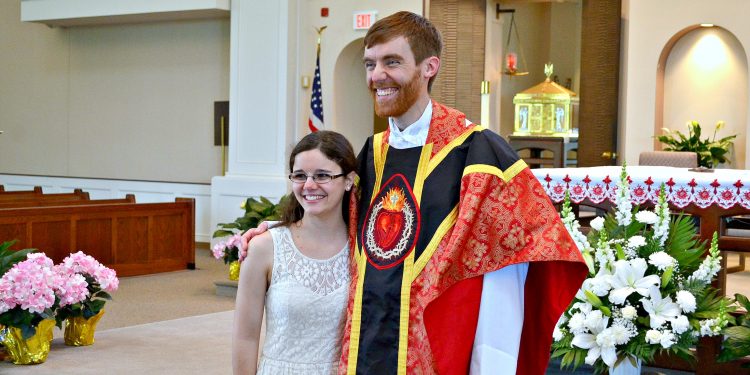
column 79, row 331
column 626, row 366
column 30, row 351
column 234, row 270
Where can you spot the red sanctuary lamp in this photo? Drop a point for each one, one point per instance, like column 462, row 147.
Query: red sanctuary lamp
column 511, row 62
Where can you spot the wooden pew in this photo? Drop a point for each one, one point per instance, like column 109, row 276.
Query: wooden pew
column 133, row 239
column 36, row 190
column 42, row 202
column 77, row 194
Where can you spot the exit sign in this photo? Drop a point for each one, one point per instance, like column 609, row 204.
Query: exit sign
column 363, row 20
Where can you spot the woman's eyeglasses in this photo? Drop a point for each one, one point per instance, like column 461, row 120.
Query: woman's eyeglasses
column 318, row 178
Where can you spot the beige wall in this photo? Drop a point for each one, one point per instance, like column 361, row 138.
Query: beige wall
column 647, row 28
column 128, row 102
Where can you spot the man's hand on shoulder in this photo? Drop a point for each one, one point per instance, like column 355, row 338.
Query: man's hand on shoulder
column 252, row 232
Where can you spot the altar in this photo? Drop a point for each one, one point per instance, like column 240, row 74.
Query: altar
column 718, row 199
column 725, row 188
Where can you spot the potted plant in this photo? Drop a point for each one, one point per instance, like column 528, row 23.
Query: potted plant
column 711, row 152
column 27, row 299
column 228, row 247
column 82, row 309
column 648, row 290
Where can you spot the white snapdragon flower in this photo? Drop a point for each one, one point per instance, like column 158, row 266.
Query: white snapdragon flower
column 629, row 278
column 646, row 217
column 653, row 336
column 659, row 309
column 636, row 242
column 680, row 325
column 686, row 300
column 597, row 224
column 661, row 227
column 557, row 334
column 661, row 260
column 667, row 339
column 710, row 327
column 629, row 312
column 710, row 265
column 604, row 254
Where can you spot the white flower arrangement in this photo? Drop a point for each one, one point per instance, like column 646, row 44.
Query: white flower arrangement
column 648, row 288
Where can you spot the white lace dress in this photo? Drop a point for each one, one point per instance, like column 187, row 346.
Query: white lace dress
column 305, row 310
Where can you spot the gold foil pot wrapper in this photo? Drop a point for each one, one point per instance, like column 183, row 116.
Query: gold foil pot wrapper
column 33, row 350
column 234, row 270
column 79, row 331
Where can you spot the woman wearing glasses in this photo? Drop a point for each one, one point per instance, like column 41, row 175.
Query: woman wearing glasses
column 298, row 270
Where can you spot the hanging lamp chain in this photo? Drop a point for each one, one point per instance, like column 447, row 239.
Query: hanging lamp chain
column 514, row 30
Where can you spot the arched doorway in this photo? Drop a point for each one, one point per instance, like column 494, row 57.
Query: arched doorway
column 354, row 108
column 703, row 77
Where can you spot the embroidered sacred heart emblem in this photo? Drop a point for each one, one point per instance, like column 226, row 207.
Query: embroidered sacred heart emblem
column 391, row 224
column 388, row 226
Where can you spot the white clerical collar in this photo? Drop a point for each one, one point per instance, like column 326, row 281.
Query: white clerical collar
column 415, row 135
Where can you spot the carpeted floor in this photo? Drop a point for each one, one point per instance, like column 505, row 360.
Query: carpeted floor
column 168, row 323
column 174, row 323
column 194, row 345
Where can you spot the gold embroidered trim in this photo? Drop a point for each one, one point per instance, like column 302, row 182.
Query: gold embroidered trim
column 438, row 158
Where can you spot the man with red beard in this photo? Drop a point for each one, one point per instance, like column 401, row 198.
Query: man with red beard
column 460, row 262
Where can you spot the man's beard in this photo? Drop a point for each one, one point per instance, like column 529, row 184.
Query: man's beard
column 405, row 98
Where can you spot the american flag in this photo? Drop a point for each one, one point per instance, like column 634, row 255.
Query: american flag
column 316, row 100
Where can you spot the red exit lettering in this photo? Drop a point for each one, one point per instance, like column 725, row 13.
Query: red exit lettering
column 363, row 21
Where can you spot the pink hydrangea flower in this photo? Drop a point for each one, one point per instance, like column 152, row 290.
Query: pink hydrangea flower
column 218, row 249
column 29, row 284
column 82, row 264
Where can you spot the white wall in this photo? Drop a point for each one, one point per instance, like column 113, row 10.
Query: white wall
column 126, row 102
column 647, row 27
column 705, row 79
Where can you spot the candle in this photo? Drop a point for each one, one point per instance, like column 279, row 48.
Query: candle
column 510, row 61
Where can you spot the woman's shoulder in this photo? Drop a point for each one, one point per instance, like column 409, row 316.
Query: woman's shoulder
column 261, row 245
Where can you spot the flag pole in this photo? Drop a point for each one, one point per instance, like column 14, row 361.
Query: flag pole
column 315, row 122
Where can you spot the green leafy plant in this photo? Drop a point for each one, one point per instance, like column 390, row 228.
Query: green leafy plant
column 710, row 152
column 256, row 212
column 737, row 337
column 10, row 257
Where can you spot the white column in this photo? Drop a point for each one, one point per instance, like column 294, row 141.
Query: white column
column 261, row 105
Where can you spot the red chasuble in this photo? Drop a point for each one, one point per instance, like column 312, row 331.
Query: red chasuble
column 430, row 222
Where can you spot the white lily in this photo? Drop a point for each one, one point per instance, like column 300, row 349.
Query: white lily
column 608, row 353
column 629, row 278
column 659, row 309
